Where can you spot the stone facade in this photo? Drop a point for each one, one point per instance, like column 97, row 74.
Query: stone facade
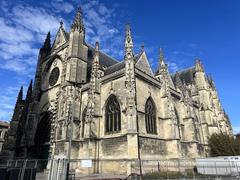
column 118, row 111
column 3, row 133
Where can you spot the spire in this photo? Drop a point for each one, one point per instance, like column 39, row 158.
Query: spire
column 97, row 46
column 198, row 66
column 162, row 66
column 96, row 57
column 20, row 94
column 142, row 47
column 95, row 75
column 78, row 21
column 128, row 43
column 161, row 59
column 61, row 24
column 47, row 42
column 29, row 92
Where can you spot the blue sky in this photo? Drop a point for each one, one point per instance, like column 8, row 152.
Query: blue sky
column 185, row 30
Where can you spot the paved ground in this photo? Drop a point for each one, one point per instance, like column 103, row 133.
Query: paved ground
column 43, row 176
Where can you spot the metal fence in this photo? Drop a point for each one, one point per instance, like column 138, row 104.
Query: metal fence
column 190, row 169
column 24, row 169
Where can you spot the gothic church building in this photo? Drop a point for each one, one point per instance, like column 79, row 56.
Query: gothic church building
column 118, row 111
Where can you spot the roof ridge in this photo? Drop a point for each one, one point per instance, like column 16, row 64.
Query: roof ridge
column 119, row 62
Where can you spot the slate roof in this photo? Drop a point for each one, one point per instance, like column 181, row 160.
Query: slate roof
column 111, row 65
column 104, row 61
column 120, row 65
column 186, row 75
column 114, row 68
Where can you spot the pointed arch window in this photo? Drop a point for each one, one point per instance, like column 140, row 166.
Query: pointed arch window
column 112, row 115
column 150, row 117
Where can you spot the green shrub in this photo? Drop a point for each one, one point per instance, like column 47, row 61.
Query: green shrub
column 224, row 145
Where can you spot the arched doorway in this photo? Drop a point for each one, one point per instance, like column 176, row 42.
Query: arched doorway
column 42, row 136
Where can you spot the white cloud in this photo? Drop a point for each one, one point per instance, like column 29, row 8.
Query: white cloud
column 236, row 129
column 172, row 66
column 103, row 10
column 19, row 67
column 7, row 101
column 5, row 114
column 14, row 33
column 4, row 6
column 17, row 49
column 98, row 20
column 23, row 28
column 61, row 6
column 35, row 19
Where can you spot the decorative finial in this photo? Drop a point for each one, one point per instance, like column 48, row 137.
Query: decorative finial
column 162, row 67
column 95, row 66
column 161, row 58
column 128, row 43
column 96, row 56
column 97, row 46
column 198, row 65
column 61, row 23
column 142, row 47
column 78, row 21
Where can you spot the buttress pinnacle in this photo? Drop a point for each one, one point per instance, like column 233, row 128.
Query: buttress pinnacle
column 128, row 42
column 161, row 58
column 96, row 56
column 78, row 21
column 47, row 42
column 161, row 66
column 20, row 94
column 199, row 66
column 29, row 92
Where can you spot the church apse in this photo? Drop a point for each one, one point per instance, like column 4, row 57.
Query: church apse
column 116, row 112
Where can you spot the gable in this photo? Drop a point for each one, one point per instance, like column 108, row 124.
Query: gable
column 60, row 38
column 143, row 64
